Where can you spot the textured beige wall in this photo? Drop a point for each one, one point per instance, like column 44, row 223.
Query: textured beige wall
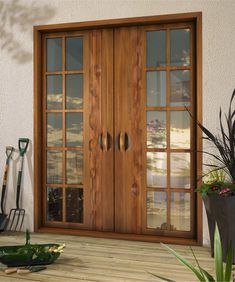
column 16, row 72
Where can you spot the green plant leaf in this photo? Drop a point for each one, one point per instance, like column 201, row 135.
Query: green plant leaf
column 209, row 277
column 27, row 237
column 34, row 256
column 163, row 278
column 224, row 142
column 198, row 265
column 229, row 263
column 186, row 263
column 218, row 255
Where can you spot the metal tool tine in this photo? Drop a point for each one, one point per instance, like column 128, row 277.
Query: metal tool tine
column 18, row 219
column 12, row 218
column 22, row 220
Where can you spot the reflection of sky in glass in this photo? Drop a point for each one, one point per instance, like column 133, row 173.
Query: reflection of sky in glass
column 156, row 169
column 156, row 48
column 74, row 53
column 54, row 54
column 54, row 204
column 180, row 170
column 74, row 167
column 54, row 129
column 156, row 129
column 156, row 88
column 54, row 91
column 180, row 211
column 180, row 47
column 54, row 167
column 74, row 205
column 156, row 210
column 179, row 88
column 74, row 91
column 74, row 125
column 180, row 130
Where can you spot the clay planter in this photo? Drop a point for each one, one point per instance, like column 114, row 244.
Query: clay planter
column 221, row 209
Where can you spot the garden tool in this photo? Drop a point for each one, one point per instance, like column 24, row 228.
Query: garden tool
column 18, row 212
column 24, row 270
column 3, row 216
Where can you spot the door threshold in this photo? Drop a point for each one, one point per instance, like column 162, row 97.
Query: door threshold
column 120, row 236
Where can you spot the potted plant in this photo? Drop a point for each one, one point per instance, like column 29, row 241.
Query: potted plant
column 218, row 191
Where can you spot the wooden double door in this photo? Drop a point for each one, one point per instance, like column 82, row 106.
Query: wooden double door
column 118, row 144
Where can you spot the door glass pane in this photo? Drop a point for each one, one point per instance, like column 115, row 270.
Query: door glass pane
column 54, row 92
column 180, row 211
column 54, row 129
column 180, row 130
column 54, row 54
column 156, row 129
column 180, row 47
column 156, row 88
column 74, row 205
column 156, row 210
column 54, row 204
column 156, row 169
column 179, row 88
column 74, row 167
column 74, row 53
column 74, row 91
column 180, row 170
column 74, row 132
column 54, row 167
column 156, row 48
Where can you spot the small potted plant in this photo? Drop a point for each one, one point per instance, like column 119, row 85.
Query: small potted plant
column 218, row 186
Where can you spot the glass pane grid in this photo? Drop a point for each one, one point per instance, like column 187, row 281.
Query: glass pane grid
column 64, row 115
column 177, row 140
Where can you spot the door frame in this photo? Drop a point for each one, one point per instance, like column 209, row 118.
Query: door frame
column 195, row 17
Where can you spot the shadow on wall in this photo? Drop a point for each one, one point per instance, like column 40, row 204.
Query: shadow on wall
column 17, row 17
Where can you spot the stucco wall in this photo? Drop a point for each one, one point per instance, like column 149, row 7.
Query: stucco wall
column 16, row 73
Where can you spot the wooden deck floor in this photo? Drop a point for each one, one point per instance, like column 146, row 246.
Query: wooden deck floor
column 95, row 259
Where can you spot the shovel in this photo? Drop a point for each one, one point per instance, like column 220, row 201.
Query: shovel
column 18, row 213
column 3, row 216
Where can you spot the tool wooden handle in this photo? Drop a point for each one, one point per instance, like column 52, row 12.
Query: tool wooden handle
column 10, row 270
column 18, row 189
column 23, row 271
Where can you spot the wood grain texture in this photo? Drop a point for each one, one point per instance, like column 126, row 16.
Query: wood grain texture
column 37, row 129
column 101, row 122
column 199, row 103
column 148, row 20
column 97, row 259
column 128, row 119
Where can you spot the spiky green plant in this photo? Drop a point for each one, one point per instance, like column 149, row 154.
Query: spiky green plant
column 222, row 274
column 215, row 176
column 224, row 142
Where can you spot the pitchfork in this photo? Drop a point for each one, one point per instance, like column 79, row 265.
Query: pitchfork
column 18, row 213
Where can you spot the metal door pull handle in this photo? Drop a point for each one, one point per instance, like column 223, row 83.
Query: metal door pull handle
column 105, row 141
column 123, row 143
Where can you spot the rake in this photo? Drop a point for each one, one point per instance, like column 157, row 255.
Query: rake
column 17, row 213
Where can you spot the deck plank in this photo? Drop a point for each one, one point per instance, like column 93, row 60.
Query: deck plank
column 97, row 259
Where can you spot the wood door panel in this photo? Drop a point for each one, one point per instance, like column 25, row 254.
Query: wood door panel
column 128, row 113
column 101, row 123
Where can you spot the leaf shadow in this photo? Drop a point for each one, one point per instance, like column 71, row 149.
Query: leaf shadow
column 17, row 18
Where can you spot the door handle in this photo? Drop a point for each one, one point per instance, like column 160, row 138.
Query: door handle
column 105, row 141
column 123, row 141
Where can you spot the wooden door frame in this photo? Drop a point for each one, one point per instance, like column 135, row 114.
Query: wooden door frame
column 195, row 17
